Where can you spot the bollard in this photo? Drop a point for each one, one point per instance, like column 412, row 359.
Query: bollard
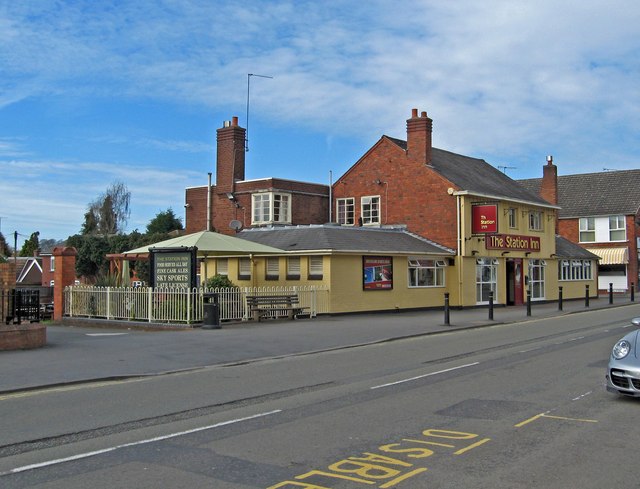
column 491, row 305
column 610, row 293
column 586, row 295
column 446, row 308
column 529, row 302
column 632, row 294
column 559, row 298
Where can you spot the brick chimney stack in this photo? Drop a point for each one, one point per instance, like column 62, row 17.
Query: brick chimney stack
column 549, row 186
column 419, row 131
column 230, row 155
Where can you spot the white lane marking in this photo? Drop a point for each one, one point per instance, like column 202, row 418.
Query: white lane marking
column 425, row 375
column 582, row 396
column 106, row 334
column 133, row 444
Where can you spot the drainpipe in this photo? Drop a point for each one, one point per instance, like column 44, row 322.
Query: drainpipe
column 330, row 195
column 209, row 203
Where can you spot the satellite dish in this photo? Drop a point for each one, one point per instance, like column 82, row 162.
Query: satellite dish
column 235, row 225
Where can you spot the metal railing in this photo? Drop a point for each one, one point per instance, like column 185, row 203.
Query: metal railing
column 18, row 305
column 178, row 305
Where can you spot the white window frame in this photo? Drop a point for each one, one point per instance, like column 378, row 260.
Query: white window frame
column 535, row 221
column 513, row 218
column 587, row 230
column 270, row 207
column 346, row 211
column 425, row 273
column 486, row 276
column 370, row 210
column 52, row 264
column 617, row 224
column 537, row 279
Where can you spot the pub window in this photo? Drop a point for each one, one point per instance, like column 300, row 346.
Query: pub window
column 370, row 210
column 537, row 278
column 564, row 270
column 574, row 270
column 244, row 269
column 535, row 221
column 222, row 265
column 293, row 268
column 273, row 268
column 346, row 211
column 316, row 267
column 513, row 218
column 486, row 279
column 587, row 229
column 426, row 273
column 269, row 207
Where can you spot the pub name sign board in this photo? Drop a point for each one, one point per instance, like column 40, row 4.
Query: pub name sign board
column 512, row 242
column 484, row 218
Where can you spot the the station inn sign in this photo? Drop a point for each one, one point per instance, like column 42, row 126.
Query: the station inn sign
column 513, row 242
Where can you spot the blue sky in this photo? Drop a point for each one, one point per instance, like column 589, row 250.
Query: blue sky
column 133, row 91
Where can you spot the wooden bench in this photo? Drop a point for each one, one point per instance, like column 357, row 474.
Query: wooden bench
column 274, row 305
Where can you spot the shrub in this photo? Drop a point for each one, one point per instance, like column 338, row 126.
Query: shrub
column 219, row 282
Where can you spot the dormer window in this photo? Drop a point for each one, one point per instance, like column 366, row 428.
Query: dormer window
column 271, row 208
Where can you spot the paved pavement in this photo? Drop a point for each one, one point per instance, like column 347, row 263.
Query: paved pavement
column 80, row 353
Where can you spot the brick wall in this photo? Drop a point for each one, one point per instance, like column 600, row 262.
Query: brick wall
column 309, row 204
column 411, row 193
column 64, row 275
column 7, row 275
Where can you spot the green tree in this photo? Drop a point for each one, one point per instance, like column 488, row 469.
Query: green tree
column 4, row 247
column 164, row 222
column 31, row 246
column 109, row 213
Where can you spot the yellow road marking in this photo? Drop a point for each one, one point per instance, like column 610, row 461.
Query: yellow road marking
column 403, row 477
column 472, row 446
column 545, row 415
column 572, row 419
column 527, row 421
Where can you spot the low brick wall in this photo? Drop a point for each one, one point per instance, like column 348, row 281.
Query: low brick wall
column 23, row 337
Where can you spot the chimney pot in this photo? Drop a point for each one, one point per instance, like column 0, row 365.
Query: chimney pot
column 234, row 120
column 414, row 113
column 423, row 114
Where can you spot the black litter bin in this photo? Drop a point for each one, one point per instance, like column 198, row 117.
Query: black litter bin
column 211, row 312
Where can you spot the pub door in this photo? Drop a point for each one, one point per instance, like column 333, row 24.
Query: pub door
column 515, row 282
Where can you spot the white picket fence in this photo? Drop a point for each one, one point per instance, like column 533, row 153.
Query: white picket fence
column 179, row 305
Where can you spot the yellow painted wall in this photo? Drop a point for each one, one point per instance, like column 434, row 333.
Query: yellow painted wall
column 347, row 294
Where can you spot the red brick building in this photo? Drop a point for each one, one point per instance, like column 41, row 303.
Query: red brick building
column 232, row 202
column 601, row 212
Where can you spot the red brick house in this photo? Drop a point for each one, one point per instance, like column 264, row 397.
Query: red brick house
column 601, row 212
column 232, row 202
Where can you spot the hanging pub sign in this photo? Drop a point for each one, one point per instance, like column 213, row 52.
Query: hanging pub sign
column 173, row 267
column 377, row 272
column 484, row 218
column 512, row 242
